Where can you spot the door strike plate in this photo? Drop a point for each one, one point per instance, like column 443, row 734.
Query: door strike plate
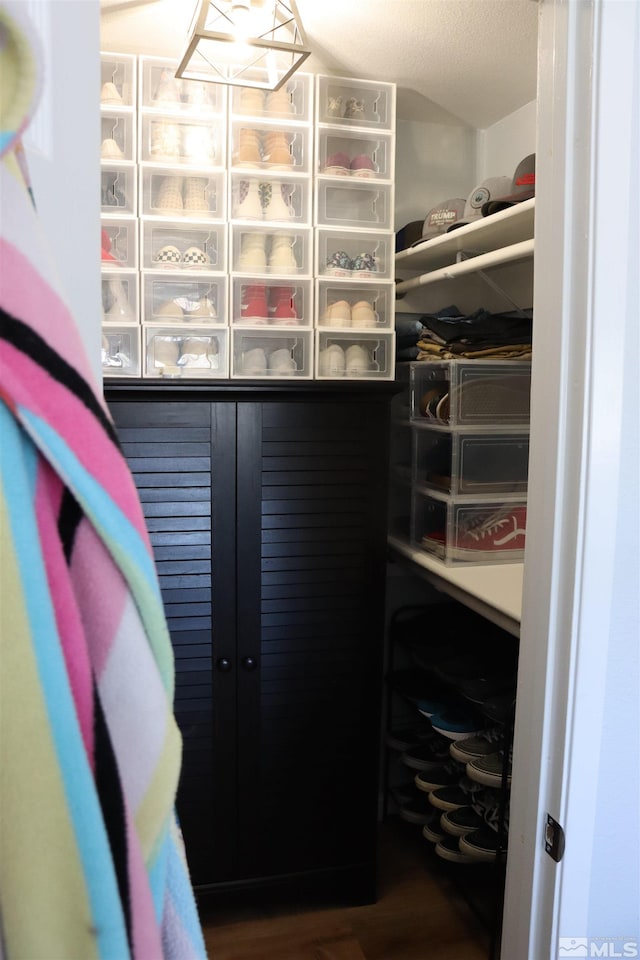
column 553, row 839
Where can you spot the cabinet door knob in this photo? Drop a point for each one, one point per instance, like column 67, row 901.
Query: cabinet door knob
column 249, row 663
column 223, row 665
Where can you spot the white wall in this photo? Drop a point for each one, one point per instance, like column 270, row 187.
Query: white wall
column 500, row 148
column 63, row 151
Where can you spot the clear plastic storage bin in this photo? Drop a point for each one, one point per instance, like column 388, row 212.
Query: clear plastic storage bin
column 174, row 300
column 118, row 188
column 362, row 255
column 359, row 307
column 261, row 146
column 354, row 154
column 117, row 139
column 119, row 243
column 161, row 90
column 120, row 351
column 200, row 247
column 270, row 199
column 118, row 80
column 470, row 463
column 174, row 353
column 292, row 102
column 192, row 141
column 471, row 392
column 459, row 531
column 119, row 296
column 347, row 356
column 177, row 193
column 271, row 302
column 271, row 353
column 264, row 250
column 355, row 103
column 342, row 202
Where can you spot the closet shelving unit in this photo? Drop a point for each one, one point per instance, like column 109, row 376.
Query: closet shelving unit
column 479, row 248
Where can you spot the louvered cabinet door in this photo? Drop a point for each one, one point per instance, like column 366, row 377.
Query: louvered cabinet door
column 311, row 561
column 182, row 457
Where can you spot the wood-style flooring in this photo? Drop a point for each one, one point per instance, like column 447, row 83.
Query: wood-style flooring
column 420, row 914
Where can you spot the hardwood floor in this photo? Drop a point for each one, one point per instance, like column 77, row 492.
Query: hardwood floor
column 420, row 915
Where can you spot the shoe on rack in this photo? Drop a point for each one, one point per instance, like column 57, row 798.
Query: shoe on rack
column 275, row 202
column 500, row 708
column 169, row 310
column 253, row 257
column 281, row 363
column 282, row 308
column 416, row 809
column 251, row 100
column 457, row 723
column 166, row 351
column 197, row 146
column 202, row 309
column 338, row 264
column 432, row 831
column 165, row 141
column 249, row 152
column 491, row 532
column 427, row 756
column 338, row 165
column 276, row 150
column 331, row 361
column 279, row 101
column 337, row 314
column 459, row 795
column 254, row 362
column 448, row 849
column 410, row 736
column 334, row 107
column 120, row 310
column 363, row 265
column 363, row 315
column 461, row 821
column 196, row 94
column 489, row 769
column 481, row 844
column 196, row 352
column 169, row 90
column 478, row 746
column 437, row 777
column 281, row 256
column 358, row 359
column 110, row 150
column 354, row 109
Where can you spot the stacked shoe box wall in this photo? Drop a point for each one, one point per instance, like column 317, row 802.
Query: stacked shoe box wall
column 240, row 214
column 183, row 233
column 470, row 456
column 353, row 217
column 270, row 235
column 119, row 208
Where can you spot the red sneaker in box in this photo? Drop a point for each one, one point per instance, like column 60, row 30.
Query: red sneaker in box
column 488, row 533
column 254, row 308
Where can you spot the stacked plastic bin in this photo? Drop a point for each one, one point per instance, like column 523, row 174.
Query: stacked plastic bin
column 270, row 234
column 118, row 204
column 183, row 235
column 353, row 218
column 470, row 425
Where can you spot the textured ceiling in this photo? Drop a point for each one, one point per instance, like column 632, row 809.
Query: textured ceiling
column 474, row 60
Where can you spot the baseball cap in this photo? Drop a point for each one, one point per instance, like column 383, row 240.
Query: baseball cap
column 483, row 193
column 523, row 187
column 440, row 218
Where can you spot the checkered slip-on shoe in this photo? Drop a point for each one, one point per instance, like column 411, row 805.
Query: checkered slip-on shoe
column 195, row 257
column 167, row 254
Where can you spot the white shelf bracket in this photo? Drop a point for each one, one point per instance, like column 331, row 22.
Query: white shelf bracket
column 462, row 255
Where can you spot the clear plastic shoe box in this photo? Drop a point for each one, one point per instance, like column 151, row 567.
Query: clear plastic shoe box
column 120, row 351
column 351, row 203
column 120, row 302
column 292, row 102
column 471, row 393
column 176, row 193
column 171, row 246
column 118, row 193
column 271, row 353
column 466, row 531
column 191, row 141
column 266, row 250
column 122, row 239
column 357, row 306
column 260, row 146
column 354, row 255
column 276, row 303
column 118, row 80
column 351, row 356
column 162, row 91
column 354, row 154
column 355, row 103
column 176, row 353
column 457, row 462
column 117, row 137
column 175, row 300
column 279, row 199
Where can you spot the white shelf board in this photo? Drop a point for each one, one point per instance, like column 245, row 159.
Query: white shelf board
column 484, row 261
column 502, row 229
column 493, row 590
